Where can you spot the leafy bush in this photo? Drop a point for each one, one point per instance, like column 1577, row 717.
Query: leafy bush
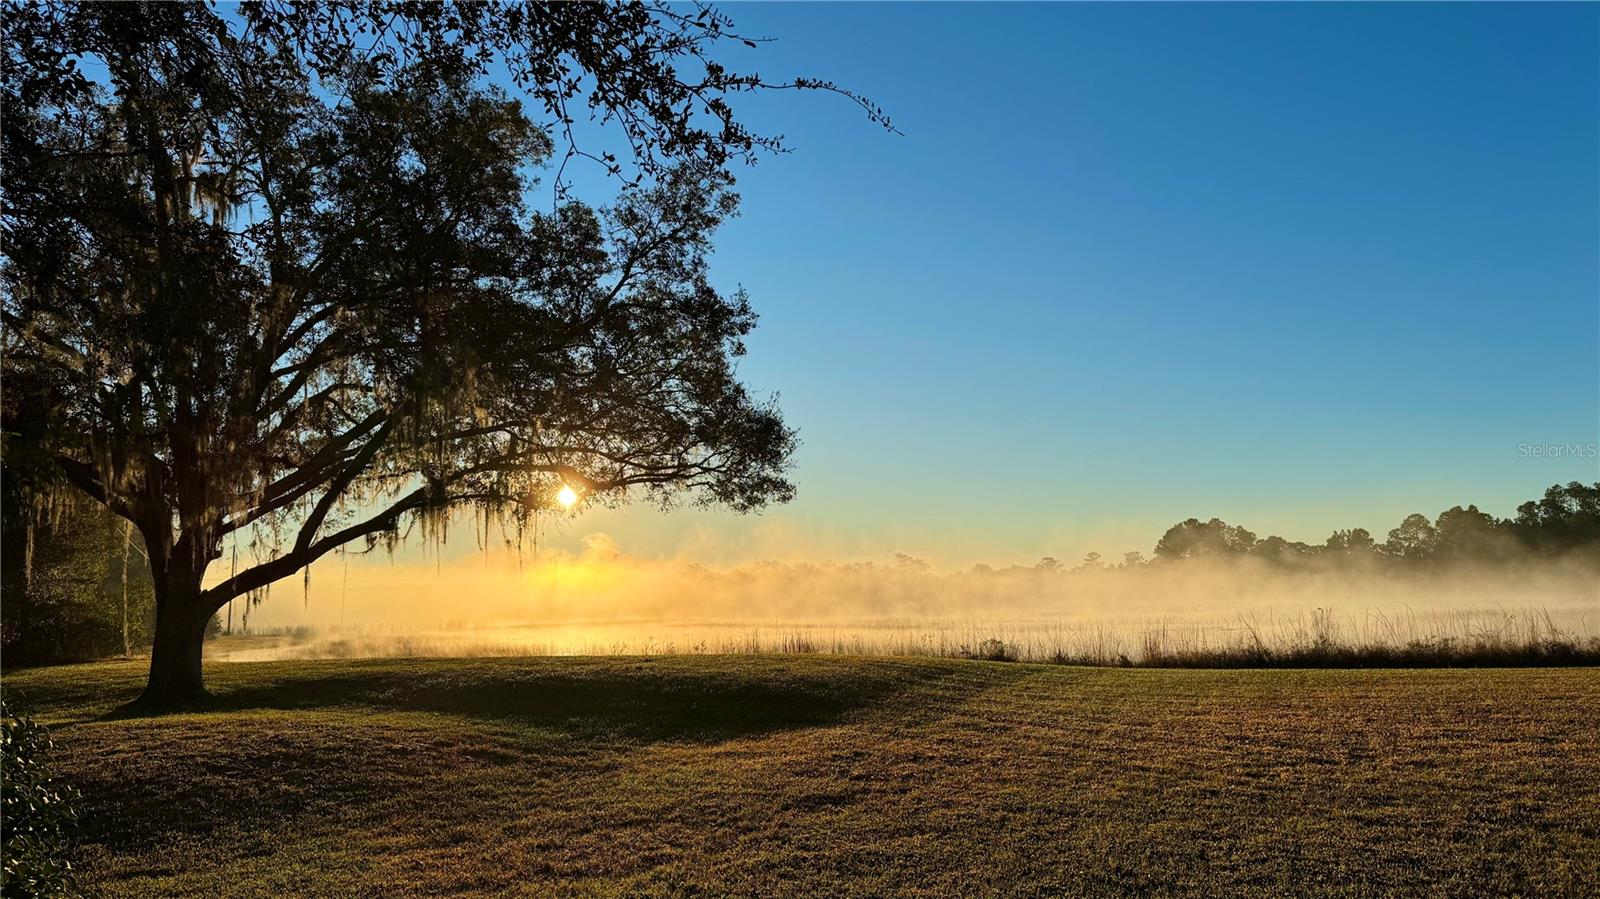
column 992, row 650
column 36, row 813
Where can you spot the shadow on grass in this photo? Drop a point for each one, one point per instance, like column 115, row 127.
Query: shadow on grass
column 209, row 768
column 638, row 704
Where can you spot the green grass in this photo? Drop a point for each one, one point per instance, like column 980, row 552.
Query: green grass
column 778, row 776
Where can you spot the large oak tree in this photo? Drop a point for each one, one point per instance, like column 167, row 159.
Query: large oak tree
column 283, row 271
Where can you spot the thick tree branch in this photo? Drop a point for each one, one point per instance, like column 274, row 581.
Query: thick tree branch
column 352, row 470
column 287, row 564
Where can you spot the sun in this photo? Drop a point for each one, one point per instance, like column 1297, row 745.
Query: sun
column 566, row 496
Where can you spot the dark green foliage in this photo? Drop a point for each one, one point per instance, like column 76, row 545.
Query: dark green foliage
column 1566, row 518
column 1416, row 538
column 1564, row 524
column 37, row 814
column 75, row 583
column 1353, row 541
column 1194, row 539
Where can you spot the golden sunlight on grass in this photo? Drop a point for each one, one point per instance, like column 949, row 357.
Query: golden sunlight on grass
column 832, row 776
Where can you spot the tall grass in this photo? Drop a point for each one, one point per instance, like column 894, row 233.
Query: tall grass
column 1315, row 638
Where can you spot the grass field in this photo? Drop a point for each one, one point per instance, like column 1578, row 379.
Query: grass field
column 779, row 776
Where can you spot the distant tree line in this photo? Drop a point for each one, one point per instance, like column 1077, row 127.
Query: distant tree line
column 1565, row 521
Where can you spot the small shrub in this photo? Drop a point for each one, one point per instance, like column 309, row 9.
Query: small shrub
column 36, row 814
column 992, row 650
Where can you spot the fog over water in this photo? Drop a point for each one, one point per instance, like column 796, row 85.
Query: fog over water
column 601, row 600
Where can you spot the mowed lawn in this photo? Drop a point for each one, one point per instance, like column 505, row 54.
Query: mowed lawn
column 775, row 776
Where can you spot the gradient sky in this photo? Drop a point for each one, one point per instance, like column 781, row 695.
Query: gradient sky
column 1297, row 266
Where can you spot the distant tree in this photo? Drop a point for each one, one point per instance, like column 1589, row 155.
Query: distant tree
column 909, row 563
column 1276, row 549
column 1048, row 565
column 1354, row 540
column 1468, row 534
column 279, row 276
column 1192, row 538
column 1271, row 545
column 1566, row 518
column 1132, row 559
column 1415, row 538
column 1091, row 562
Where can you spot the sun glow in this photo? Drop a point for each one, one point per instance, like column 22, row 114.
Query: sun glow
column 567, row 497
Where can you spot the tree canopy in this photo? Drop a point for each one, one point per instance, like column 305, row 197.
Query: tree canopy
column 279, row 273
column 1193, row 538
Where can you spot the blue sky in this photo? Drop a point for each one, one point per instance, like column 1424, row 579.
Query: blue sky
column 1298, row 266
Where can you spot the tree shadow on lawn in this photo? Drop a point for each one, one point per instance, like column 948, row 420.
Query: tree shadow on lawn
column 635, row 704
column 153, row 778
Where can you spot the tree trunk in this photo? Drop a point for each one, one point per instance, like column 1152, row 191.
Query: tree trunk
column 175, row 676
column 127, row 544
